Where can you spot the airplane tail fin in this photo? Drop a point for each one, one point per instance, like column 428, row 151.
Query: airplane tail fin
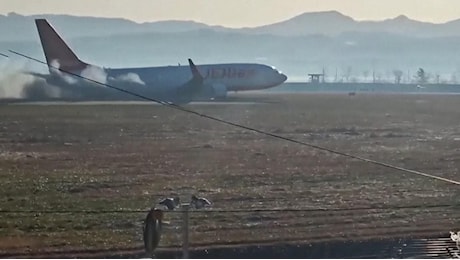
column 57, row 53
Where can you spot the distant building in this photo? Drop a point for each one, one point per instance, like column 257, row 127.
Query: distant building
column 316, row 78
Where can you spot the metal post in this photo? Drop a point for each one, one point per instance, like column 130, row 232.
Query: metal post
column 185, row 245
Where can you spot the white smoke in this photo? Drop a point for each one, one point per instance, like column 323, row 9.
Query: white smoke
column 90, row 72
column 54, row 68
column 95, row 73
column 13, row 80
column 18, row 80
column 131, row 77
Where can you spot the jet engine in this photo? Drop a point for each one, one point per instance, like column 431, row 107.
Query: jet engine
column 212, row 91
column 219, row 90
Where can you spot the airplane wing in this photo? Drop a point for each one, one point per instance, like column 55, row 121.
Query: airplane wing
column 38, row 75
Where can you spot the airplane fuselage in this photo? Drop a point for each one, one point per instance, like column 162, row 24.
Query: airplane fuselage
column 234, row 76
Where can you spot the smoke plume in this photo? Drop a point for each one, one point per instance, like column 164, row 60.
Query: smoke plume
column 17, row 82
column 54, row 68
column 131, row 77
column 94, row 73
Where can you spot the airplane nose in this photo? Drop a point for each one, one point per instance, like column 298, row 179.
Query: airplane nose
column 283, row 77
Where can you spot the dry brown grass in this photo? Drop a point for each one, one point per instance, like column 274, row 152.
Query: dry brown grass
column 110, row 157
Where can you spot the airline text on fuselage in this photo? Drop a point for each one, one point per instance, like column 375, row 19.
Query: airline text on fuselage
column 217, row 73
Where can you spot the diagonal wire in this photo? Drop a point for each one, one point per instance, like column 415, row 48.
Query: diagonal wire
column 178, row 107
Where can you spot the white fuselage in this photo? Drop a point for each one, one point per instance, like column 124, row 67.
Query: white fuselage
column 234, row 76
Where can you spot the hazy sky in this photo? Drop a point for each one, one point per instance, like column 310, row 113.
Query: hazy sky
column 238, row 13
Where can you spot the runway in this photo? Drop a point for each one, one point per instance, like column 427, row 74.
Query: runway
column 129, row 103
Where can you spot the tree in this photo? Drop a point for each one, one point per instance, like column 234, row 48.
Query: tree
column 347, row 73
column 421, row 76
column 398, row 75
column 453, row 78
column 366, row 75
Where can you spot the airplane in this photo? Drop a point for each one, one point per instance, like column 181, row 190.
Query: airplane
column 176, row 84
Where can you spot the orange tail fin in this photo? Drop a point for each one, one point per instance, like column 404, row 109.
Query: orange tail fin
column 57, row 53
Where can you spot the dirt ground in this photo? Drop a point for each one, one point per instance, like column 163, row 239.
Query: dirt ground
column 61, row 161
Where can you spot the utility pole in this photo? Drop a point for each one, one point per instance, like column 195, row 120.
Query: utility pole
column 185, row 245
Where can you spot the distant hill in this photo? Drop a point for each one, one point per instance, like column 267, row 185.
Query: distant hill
column 334, row 23
column 308, row 43
column 14, row 27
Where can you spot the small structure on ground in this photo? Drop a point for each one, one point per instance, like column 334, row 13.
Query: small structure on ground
column 316, row 77
column 152, row 231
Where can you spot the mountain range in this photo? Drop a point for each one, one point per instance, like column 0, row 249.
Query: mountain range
column 14, row 27
column 305, row 43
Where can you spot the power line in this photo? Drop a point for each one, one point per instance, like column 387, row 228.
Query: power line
column 177, row 107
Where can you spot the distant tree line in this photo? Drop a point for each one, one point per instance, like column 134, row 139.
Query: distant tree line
column 397, row 76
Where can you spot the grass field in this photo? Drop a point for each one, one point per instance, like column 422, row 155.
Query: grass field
column 126, row 157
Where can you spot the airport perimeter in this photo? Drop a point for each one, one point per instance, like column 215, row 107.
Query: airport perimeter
column 81, row 177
